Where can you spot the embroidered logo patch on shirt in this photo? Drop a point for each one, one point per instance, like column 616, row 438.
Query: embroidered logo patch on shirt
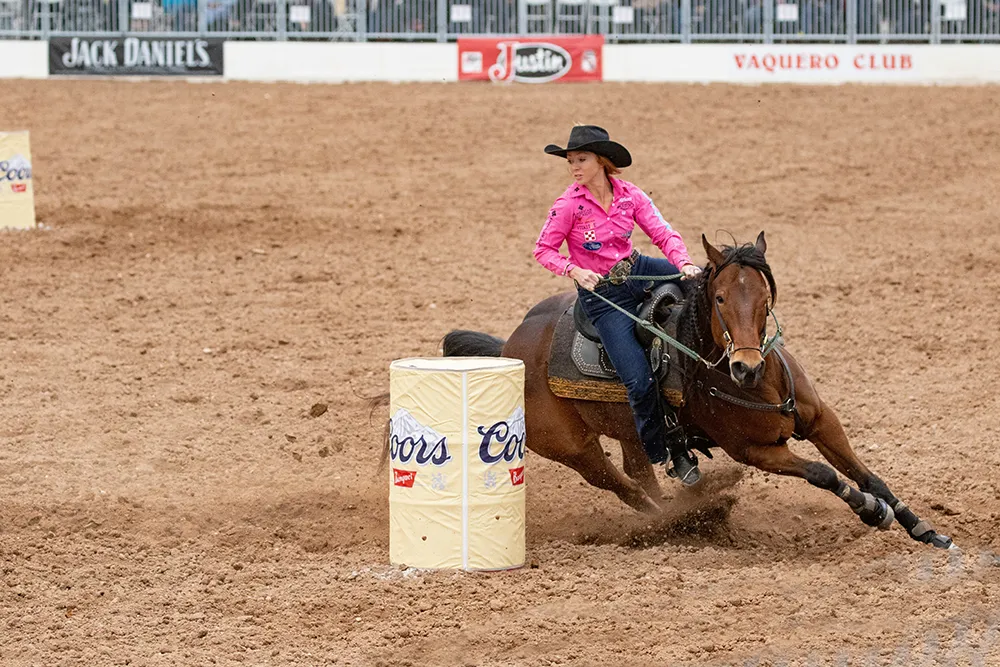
column 590, row 235
column 592, row 245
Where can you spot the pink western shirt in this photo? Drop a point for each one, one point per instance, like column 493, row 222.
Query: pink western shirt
column 598, row 240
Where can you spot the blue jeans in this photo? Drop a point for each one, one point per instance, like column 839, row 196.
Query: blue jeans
column 626, row 353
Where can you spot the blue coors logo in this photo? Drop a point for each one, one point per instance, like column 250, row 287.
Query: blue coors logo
column 504, row 440
column 15, row 169
column 409, row 440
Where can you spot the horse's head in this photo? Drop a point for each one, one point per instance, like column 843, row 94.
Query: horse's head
column 740, row 291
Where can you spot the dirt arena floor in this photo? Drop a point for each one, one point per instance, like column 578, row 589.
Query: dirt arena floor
column 216, row 259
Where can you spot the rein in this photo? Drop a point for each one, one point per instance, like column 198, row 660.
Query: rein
column 788, row 406
column 765, row 345
column 656, row 331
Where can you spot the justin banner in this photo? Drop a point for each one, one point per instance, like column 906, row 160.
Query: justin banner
column 531, row 59
column 17, row 196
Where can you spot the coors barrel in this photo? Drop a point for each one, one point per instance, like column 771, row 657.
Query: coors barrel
column 456, row 463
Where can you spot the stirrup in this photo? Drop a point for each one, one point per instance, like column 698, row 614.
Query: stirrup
column 685, row 469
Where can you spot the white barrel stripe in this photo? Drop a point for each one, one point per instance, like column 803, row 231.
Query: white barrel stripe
column 465, row 471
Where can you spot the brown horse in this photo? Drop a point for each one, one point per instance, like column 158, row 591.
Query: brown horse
column 750, row 412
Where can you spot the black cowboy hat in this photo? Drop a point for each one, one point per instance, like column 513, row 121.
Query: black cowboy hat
column 595, row 140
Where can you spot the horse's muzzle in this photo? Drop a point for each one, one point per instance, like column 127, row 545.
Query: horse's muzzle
column 746, row 376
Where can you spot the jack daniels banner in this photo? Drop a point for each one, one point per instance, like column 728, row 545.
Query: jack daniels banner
column 135, row 56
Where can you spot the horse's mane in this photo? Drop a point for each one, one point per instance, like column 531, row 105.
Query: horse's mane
column 748, row 255
column 694, row 327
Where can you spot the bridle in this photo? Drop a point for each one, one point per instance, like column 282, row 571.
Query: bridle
column 788, row 406
column 765, row 346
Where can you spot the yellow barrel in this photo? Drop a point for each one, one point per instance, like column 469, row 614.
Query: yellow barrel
column 456, row 472
column 17, row 193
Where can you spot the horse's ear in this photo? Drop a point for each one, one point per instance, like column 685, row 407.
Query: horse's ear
column 714, row 256
column 761, row 244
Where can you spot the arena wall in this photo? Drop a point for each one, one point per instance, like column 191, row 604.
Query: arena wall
column 21, row 59
column 339, row 62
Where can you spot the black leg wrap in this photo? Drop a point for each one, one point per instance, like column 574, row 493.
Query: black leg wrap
column 854, row 498
column 876, row 513
column 872, row 511
column 907, row 519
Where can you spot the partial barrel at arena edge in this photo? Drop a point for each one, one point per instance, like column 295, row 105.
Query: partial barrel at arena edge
column 17, row 193
column 456, row 473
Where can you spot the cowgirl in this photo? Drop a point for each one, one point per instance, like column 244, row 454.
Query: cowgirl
column 595, row 216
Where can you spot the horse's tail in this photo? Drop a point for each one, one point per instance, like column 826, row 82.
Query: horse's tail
column 374, row 404
column 461, row 343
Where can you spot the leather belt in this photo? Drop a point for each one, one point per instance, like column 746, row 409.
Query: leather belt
column 620, row 271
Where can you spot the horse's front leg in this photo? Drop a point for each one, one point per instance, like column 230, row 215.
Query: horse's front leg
column 778, row 459
column 831, row 441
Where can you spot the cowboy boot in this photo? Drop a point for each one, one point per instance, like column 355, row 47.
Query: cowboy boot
column 685, row 464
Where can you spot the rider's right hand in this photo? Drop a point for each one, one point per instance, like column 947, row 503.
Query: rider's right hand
column 585, row 278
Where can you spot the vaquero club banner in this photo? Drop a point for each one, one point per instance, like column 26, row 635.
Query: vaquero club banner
column 135, row 56
column 531, row 59
column 948, row 64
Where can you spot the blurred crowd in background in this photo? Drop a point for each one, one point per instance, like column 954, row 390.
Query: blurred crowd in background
column 824, row 20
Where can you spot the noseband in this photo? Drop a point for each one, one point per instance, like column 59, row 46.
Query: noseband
column 788, row 406
column 731, row 349
column 765, row 345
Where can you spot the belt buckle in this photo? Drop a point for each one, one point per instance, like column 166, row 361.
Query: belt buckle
column 619, row 272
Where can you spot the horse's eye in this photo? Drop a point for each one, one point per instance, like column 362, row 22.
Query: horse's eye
column 719, row 299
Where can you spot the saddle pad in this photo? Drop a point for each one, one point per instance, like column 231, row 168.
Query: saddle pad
column 566, row 380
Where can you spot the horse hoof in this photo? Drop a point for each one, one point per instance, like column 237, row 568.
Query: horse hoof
column 650, row 506
column 942, row 542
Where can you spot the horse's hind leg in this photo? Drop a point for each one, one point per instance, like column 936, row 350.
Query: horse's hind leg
column 556, row 431
column 615, row 421
column 594, row 465
column 782, row 461
column 831, row 441
column 587, row 457
column 637, row 466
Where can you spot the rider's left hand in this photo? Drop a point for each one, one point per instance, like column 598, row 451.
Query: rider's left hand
column 690, row 271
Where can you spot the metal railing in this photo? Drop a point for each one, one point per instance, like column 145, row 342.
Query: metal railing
column 766, row 21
